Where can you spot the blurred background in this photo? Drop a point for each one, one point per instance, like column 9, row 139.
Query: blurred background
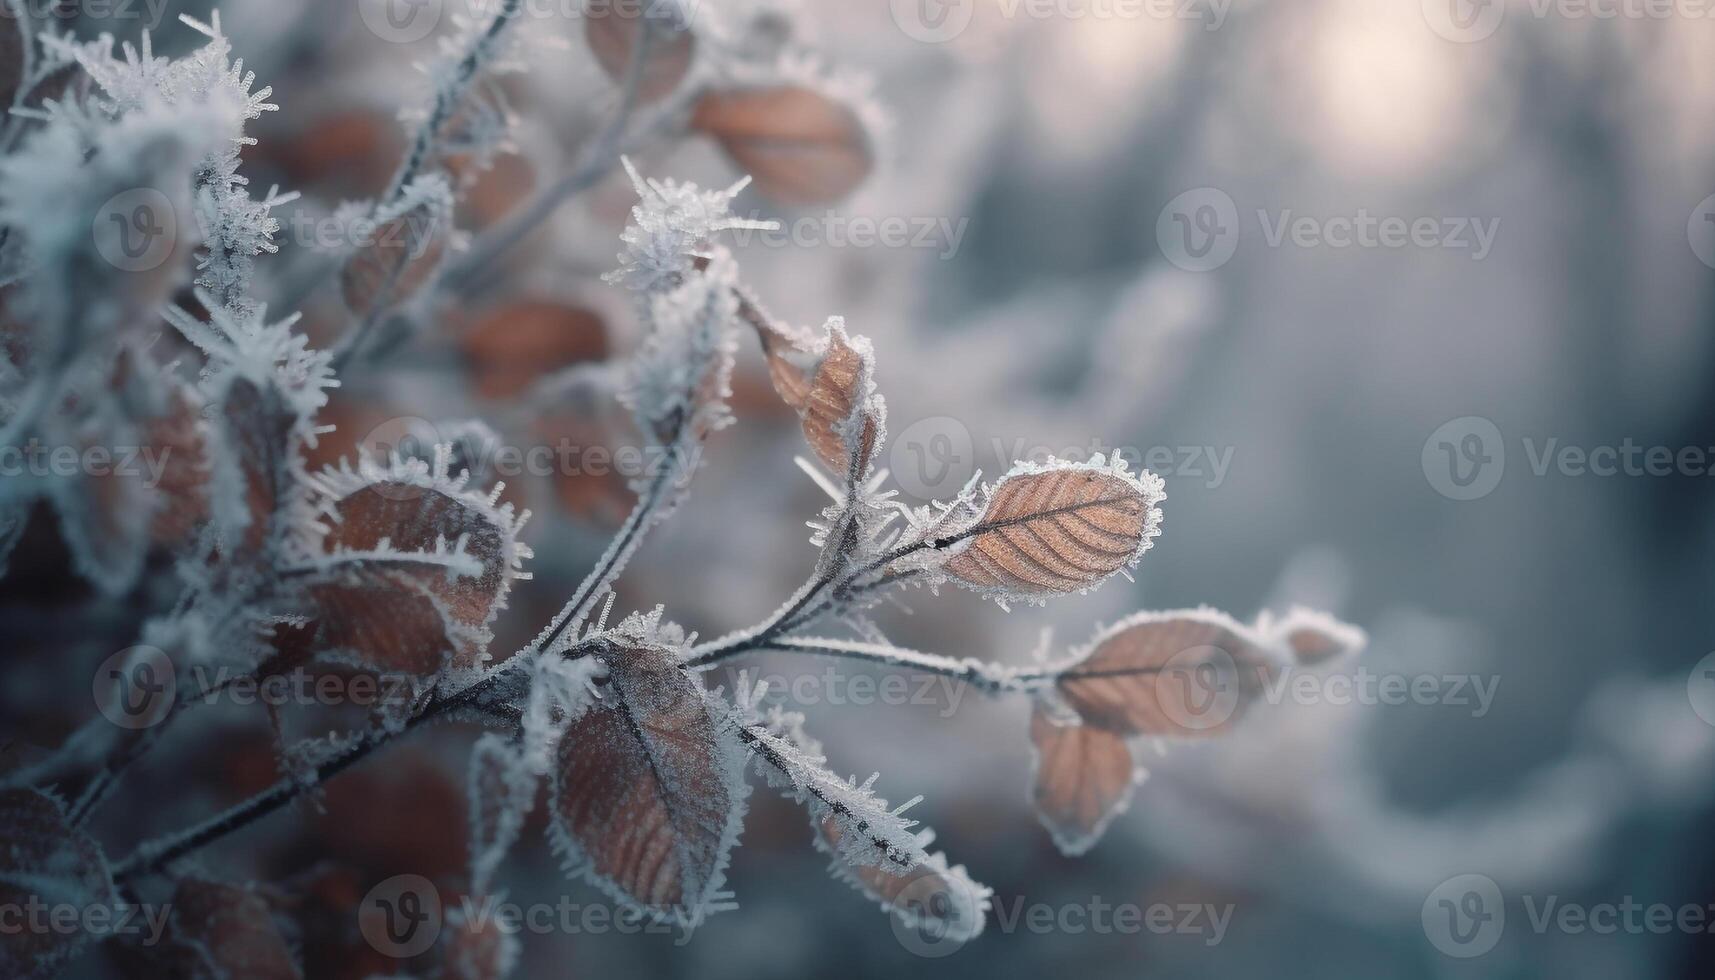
column 1351, row 275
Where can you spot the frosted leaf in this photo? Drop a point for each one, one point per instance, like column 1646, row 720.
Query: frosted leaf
column 213, row 95
column 648, row 790
column 405, row 251
column 223, row 932
column 832, row 387
column 43, row 859
column 413, row 510
column 1313, row 638
column 501, row 790
column 105, row 518
column 873, row 845
column 251, row 472
column 871, row 832
column 678, row 383
column 177, row 439
column 247, row 345
column 1190, row 672
column 612, row 37
column 941, row 901
column 1043, row 530
column 672, row 231
column 371, row 620
column 1083, row 775
column 804, row 146
column 66, row 180
column 1165, row 673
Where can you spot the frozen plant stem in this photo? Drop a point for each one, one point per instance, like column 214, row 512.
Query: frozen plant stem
column 596, row 164
column 153, row 855
column 448, row 96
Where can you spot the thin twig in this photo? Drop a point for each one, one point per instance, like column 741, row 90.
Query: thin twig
column 153, row 855
column 595, row 164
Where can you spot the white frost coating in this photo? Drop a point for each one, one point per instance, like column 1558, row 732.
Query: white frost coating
column 501, row 789
column 671, row 228
column 873, row 833
column 872, row 836
column 1277, row 631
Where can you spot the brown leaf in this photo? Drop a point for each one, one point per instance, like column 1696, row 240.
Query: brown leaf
column 841, row 417
column 1186, row 674
column 1314, row 638
column 802, row 147
column 613, row 27
column 824, row 382
column 105, row 514
column 177, row 441
column 1057, row 530
column 942, row 901
column 1084, row 778
column 400, row 258
column 383, row 622
column 513, row 346
column 648, row 791
column 44, row 859
column 252, row 460
column 223, row 932
column 414, row 519
column 345, row 154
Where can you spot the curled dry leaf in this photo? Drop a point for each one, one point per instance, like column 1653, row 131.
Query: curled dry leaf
column 648, row 789
column 223, row 932
column 842, row 416
column 831, row 386
column 941, row 901
column 403, row 254
column 512, row 347
column 45, row 860
column 1084, row 777
column 1050, row 530
column 801, row 146
column 613, row 30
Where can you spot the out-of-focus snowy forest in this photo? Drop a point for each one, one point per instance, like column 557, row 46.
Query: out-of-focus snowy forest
column 1170, row 230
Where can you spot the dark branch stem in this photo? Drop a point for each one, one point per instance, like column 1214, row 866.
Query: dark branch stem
column 153, row 855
